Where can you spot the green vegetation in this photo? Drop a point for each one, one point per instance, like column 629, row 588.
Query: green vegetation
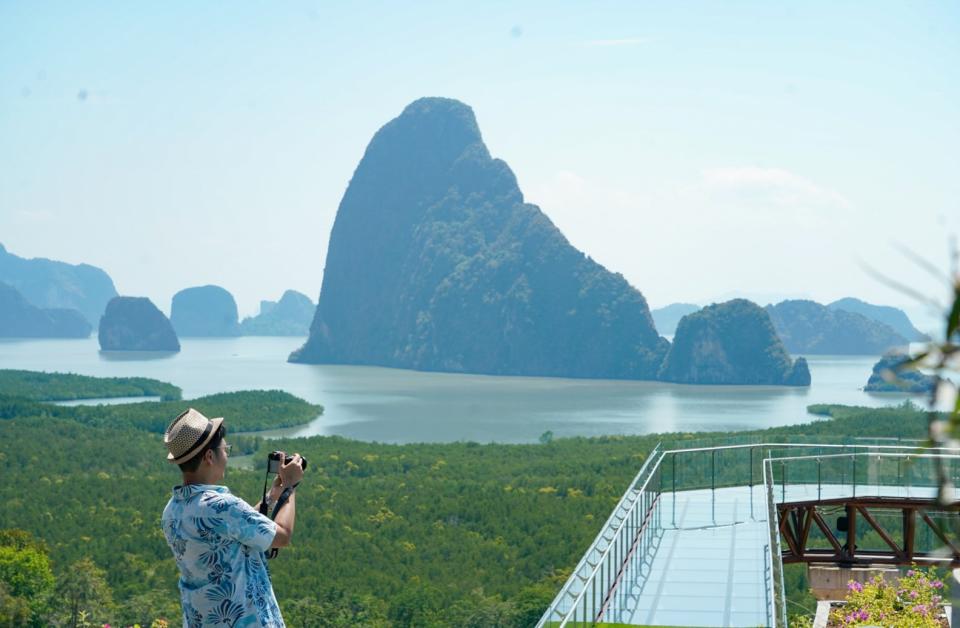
column 402, row 535
column 246, row 411
column 68, row 386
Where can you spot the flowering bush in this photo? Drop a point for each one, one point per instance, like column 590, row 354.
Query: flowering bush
column 916, row 600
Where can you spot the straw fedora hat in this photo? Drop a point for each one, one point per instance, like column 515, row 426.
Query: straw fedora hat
column 188, row 434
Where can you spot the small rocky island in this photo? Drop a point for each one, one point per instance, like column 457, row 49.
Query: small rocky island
column 731, row 343
column 135, row 324
column 204, row 311
column 290, row 316
column 888, row 376
column 21, row 319
column 436, row 263
column 807, row 327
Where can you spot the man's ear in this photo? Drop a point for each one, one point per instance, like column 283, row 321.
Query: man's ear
column 208, row 456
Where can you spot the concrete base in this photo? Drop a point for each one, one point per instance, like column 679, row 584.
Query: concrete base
column 829, row 582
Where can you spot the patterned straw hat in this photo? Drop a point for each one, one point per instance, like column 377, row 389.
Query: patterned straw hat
column 187, row 434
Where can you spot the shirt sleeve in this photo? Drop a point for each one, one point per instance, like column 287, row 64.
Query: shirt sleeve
column 246, row 525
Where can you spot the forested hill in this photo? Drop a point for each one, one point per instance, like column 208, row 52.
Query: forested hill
column 436, row 263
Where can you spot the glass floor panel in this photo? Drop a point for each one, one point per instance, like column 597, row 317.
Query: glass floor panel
column 706, row 567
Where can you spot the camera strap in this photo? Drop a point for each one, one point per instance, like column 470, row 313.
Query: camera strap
column 264, row 509
column 284, row 496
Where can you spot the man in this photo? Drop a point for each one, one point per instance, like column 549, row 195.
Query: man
column 218, row 540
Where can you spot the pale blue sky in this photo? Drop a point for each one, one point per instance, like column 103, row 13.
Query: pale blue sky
column 701, row 149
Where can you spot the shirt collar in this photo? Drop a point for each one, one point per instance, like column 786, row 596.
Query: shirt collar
column 184, row 491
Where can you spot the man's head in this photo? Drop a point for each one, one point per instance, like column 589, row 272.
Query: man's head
column 196, row 444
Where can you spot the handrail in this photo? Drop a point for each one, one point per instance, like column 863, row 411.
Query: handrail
column 655, row 454
column 596, row 568
column 822, row 445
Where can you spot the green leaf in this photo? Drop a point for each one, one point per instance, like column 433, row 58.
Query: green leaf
column 953, row 321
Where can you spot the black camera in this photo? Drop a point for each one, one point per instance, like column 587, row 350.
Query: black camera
column 273, row 461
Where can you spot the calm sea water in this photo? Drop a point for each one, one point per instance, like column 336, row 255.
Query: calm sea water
column 391, row 405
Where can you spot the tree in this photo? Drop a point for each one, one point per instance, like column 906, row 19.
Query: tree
column 14, row 611
column 82, row 588
column 25, row 576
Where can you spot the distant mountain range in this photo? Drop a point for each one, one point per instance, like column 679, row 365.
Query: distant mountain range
column 21, row 319
column 667, row 318
column 807, row 327
column 894, row 318
column 846, row 326
column 49, row 284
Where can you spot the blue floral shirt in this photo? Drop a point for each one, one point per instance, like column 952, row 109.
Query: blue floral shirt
column 218, row 540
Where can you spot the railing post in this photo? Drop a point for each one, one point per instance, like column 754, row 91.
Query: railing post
column 673, row 460
column 713, row 470
column 750, row 481
column 783, row 481
column 819, row 463
column 853, row 480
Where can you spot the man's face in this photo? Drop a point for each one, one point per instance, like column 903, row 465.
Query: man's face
column 219, row 458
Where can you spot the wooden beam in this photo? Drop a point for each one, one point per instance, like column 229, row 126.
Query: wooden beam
column 883, row 533
column 936, row 529
column 827, row 532
column 909, row 532
column 805, row 533
column 790, row 538
column 851, row 547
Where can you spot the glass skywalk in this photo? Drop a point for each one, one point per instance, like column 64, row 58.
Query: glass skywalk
column 695, row 539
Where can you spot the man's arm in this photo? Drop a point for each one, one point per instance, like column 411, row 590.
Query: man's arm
column 290, row 474
column 284, row 521
column 273, row 494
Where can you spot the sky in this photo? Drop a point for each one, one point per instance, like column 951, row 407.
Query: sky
column 704, row 150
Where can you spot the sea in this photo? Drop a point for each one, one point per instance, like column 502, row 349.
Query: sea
column 401, row 406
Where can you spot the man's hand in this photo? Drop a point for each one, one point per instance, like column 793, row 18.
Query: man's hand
column 291, row 472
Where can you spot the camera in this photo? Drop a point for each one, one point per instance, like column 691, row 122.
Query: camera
column 273, row 461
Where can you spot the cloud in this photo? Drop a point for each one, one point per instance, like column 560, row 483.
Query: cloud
column 772, row 186
column 607, row 43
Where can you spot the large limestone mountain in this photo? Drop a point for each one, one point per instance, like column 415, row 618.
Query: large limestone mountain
column 436, row 263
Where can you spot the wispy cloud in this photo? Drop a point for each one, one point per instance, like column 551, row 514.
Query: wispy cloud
column 777, row 185
column 607, row 43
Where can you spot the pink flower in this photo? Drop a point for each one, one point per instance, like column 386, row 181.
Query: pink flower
column 920, row 608
column 853, row 585
column 936, row 584
column 913, row 595
column 911, row 573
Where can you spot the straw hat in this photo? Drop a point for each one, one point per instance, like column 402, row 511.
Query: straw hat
column 187, row 434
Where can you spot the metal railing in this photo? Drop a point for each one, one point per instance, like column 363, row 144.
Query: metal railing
column 587, row 592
